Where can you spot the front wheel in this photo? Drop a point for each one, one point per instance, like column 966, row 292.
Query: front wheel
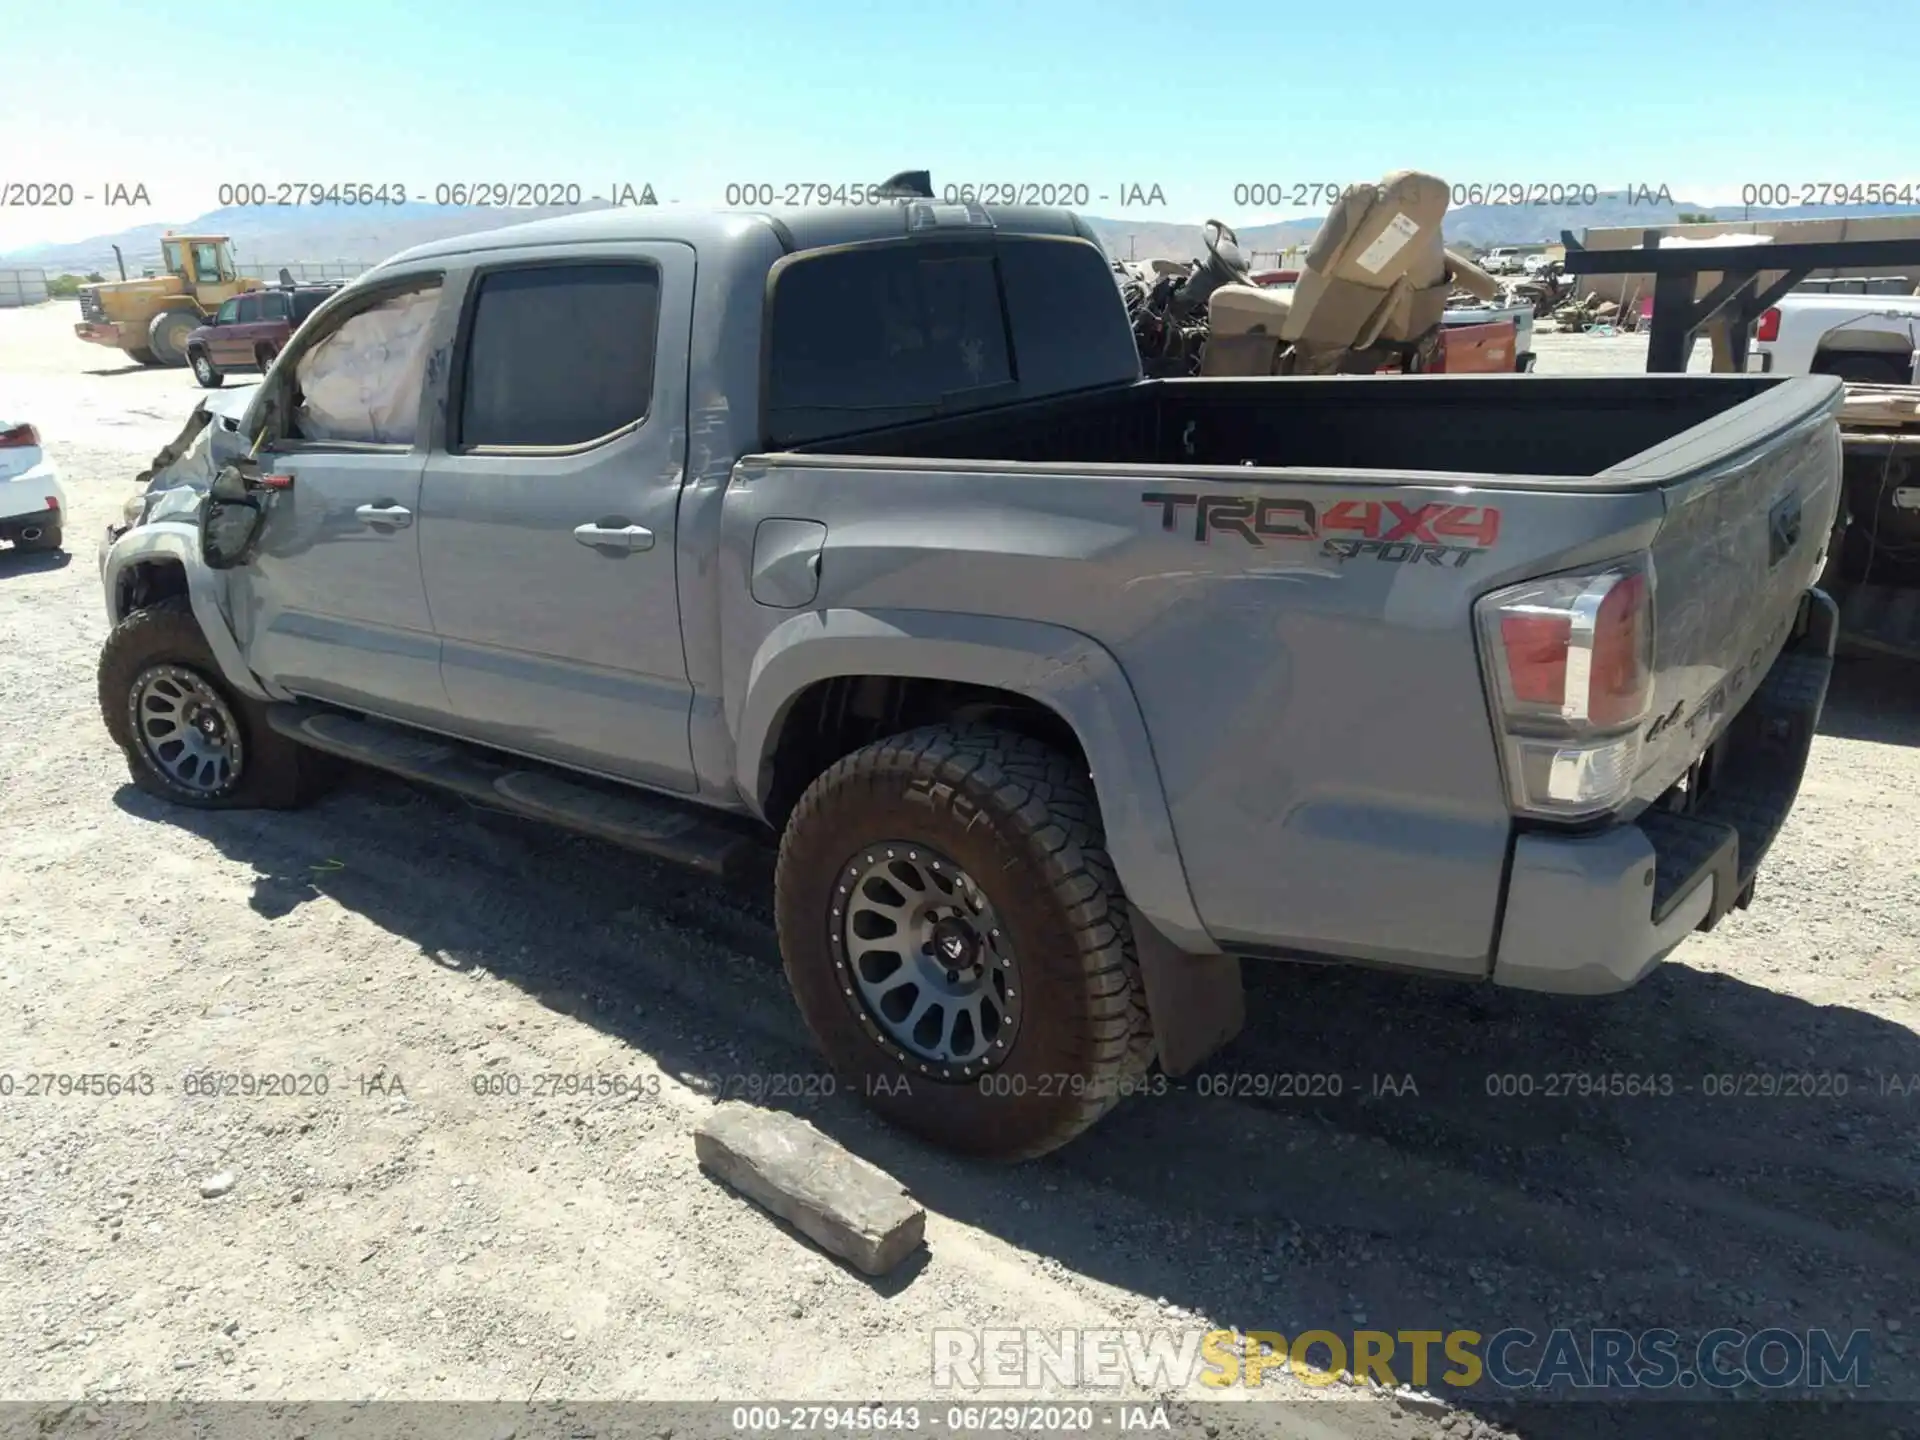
column 957, row 941
column 204, row 370
column 167, row 336
column 187, row 736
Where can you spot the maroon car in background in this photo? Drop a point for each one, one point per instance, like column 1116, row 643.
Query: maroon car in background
column 249, row 330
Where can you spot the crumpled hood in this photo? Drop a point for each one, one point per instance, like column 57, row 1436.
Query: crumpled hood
column 210, row 439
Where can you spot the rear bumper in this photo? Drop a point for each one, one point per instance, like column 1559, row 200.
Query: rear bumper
column 33, row 497
column 1590, row 914
column 99, row 332
column 13, row 527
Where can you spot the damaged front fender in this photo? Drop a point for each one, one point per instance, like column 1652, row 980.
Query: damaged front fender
column 212, row 437
column 166, row 529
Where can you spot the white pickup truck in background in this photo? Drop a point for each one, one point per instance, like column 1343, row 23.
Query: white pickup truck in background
column 1857, row 337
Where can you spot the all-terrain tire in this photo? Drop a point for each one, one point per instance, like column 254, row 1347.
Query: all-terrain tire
column 1021, row 818
column 274, row 773
column 48, row 539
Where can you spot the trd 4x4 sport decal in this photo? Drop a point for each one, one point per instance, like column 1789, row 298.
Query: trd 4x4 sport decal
column 1386, row 530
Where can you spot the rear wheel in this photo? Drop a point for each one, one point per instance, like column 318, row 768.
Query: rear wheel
column 958, row 943
column 1868, row 369
column 204, row 370
column 167, row 335
column 189, row 737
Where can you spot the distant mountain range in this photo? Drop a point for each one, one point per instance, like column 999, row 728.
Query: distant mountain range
column 274, row 236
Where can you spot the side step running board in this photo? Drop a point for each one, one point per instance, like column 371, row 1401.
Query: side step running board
column 652, row 825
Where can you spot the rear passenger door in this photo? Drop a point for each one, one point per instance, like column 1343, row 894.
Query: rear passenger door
column 548, row 508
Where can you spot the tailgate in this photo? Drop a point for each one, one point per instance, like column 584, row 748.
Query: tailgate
column 1751, row 499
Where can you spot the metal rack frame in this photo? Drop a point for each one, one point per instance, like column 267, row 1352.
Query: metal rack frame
column 1678, row 316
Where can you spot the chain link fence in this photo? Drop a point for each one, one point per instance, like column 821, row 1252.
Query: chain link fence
column 307, row 269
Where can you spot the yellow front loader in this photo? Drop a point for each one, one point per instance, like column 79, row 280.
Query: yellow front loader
column 150, row 318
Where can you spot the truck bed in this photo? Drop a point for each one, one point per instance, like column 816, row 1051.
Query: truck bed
column 1309, row 677
column 1532, row 431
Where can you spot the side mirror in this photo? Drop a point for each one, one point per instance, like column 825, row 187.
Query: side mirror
column 230, row 520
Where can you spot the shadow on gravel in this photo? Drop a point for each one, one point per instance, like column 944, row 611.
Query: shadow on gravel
column 1874, row 699
column 14, row 561
column 134, row 369
column 1374, row 1153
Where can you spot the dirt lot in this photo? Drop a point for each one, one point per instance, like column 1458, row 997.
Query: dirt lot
column 405, row 1236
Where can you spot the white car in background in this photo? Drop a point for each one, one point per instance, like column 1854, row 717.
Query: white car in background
column 1857, row 337
column 33, row 507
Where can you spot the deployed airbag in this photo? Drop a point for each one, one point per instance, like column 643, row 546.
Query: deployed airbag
column 363, row 381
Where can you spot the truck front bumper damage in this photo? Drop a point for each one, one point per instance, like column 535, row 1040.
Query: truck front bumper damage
column 1590, row 914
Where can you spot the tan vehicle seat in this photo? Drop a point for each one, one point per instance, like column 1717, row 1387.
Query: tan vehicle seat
column 1243, row 330
column 1377, row 271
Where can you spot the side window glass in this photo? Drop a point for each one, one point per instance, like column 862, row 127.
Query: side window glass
column 361, row 381
column 229, row 312
column 206, row 261
column 274, row 307
column 249, row 309
column 559, row 355
column 869, row 337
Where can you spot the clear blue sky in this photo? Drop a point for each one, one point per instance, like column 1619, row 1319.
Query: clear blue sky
column 1704, row 95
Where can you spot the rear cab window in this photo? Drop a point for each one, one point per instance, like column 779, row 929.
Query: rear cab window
column 557, row 356
column 883, row 333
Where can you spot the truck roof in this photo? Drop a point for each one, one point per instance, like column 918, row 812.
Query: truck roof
column 799, row 228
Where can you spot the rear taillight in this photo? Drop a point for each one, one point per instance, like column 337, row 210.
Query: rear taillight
column 1769, row 326
column 1570, row 671
column 19, row 435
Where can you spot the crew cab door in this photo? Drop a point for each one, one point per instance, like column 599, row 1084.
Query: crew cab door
column 331, row 605
column 547, row 529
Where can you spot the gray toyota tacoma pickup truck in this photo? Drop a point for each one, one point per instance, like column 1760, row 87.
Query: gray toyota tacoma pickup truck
column 1064, row 693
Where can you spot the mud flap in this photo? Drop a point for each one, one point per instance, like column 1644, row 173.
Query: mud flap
column 1197, row 1002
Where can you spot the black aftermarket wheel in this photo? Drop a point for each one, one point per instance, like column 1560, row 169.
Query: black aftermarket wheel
column 957, row 942
column 187, row 736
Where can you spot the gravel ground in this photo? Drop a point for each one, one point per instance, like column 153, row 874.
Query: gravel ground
column 404, row 1236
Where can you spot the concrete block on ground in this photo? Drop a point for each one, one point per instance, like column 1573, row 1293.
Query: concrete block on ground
column 846, row 1205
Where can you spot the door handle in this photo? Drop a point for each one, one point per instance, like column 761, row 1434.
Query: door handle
column 396, row 516
column 614, row 535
